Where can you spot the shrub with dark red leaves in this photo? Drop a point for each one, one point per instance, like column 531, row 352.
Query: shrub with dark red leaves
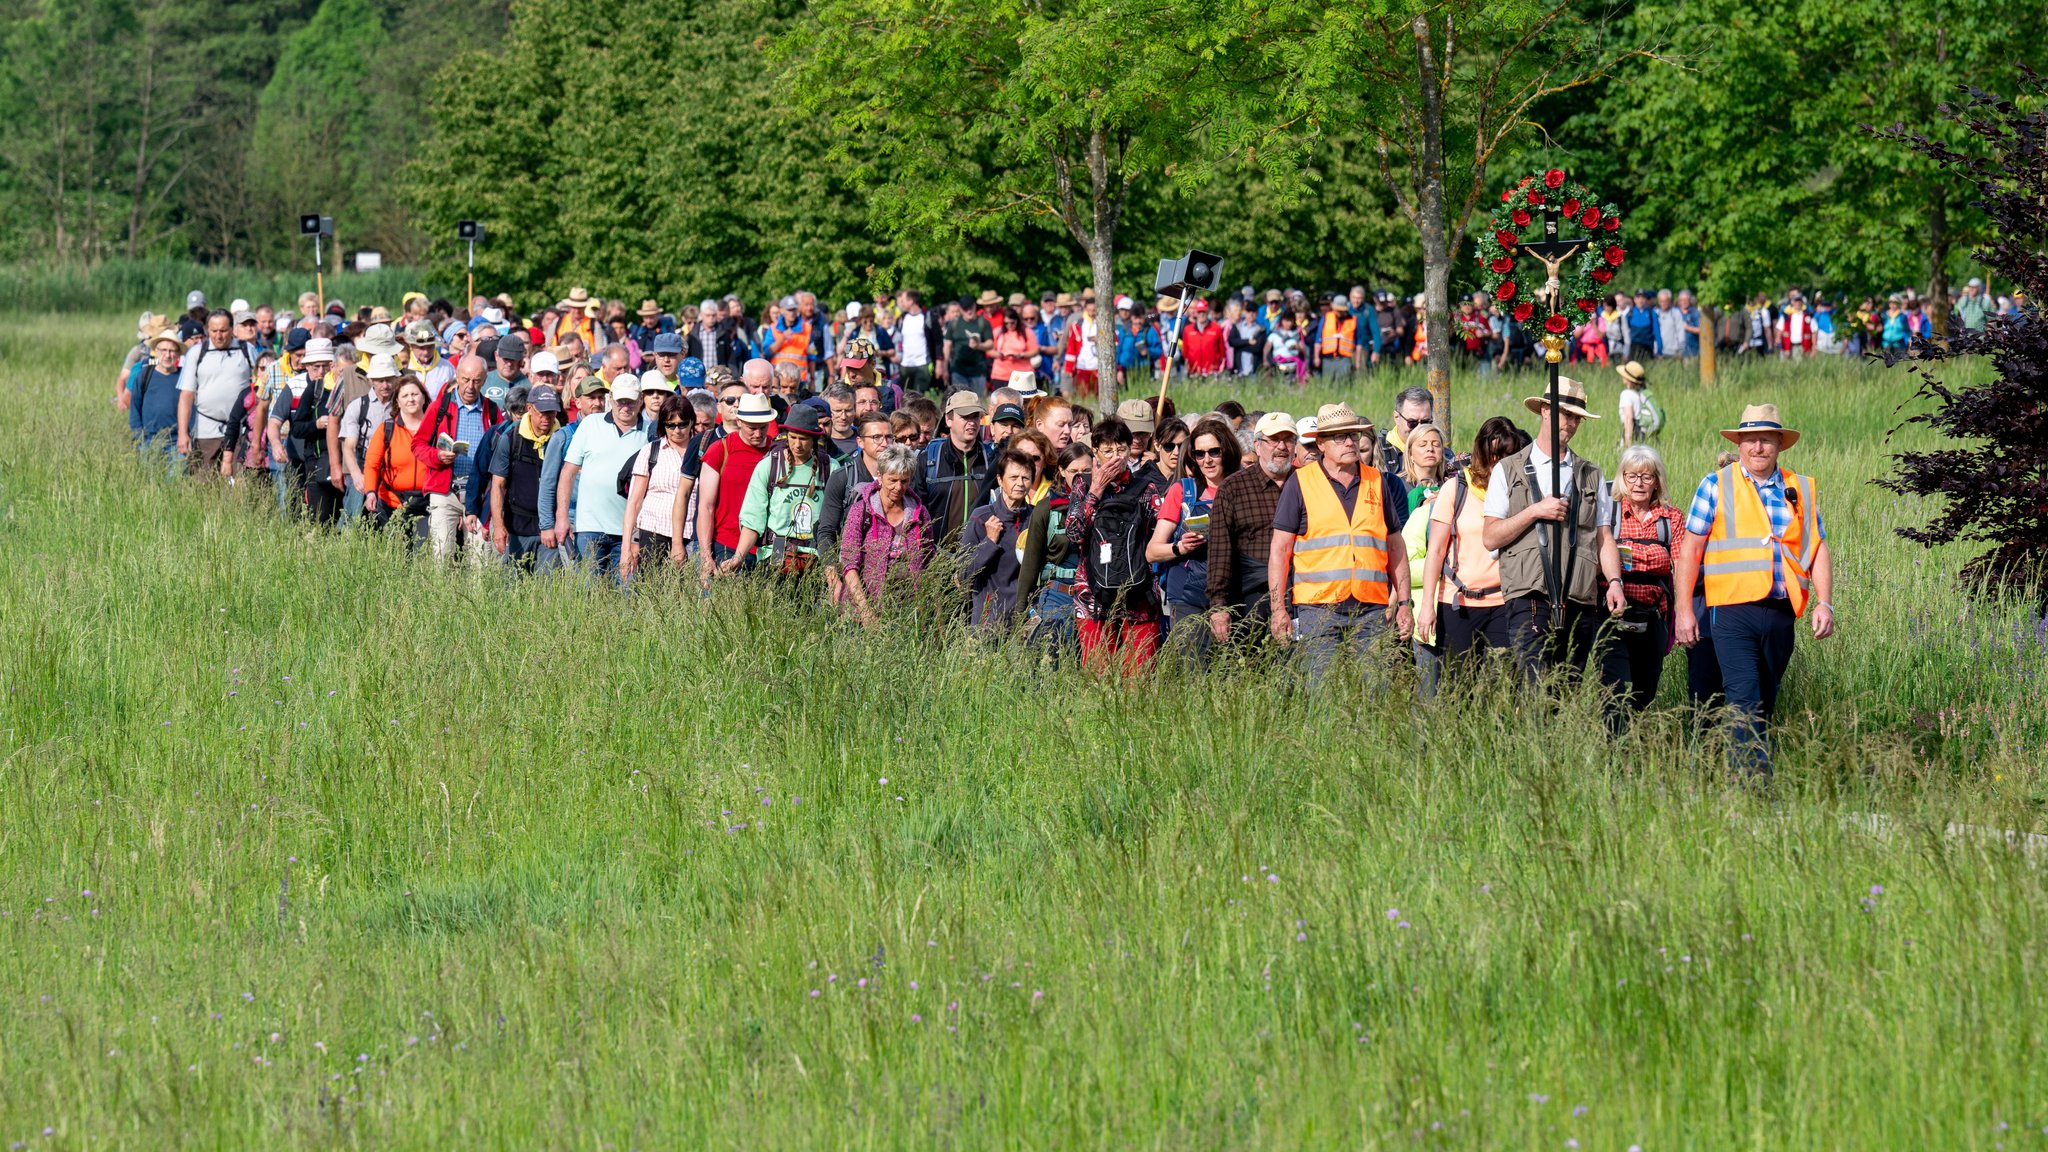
column 1993, row 481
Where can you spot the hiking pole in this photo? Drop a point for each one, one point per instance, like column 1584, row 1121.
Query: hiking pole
column 1180, row 317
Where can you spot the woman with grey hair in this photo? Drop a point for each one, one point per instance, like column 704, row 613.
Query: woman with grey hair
column 888, row 533
column 1647, row 531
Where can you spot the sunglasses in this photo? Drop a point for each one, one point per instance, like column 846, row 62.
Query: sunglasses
column 673, row 424
column 728, row 399
column 1173, row 447
column 1208, row 453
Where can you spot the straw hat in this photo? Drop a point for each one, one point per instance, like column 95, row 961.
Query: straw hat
column 1063, row 300
column 1632, row 373
column 649, row 310
column 166, row 334
column 579, row 299
column 988, row 299
column 1334, row 418
column 1762, row 418
column 1571, row 398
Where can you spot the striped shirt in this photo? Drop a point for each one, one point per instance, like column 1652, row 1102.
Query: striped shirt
column 1699, row 520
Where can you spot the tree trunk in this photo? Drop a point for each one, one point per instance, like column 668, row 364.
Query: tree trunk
column 1101, row 260
column 1937, row 257
column 1436, row 249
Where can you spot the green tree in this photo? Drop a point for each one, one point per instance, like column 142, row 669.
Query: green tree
column 969, row 117
column 1446, row 91
column 1754, row 170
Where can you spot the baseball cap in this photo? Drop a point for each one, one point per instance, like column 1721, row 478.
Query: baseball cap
column 195, row 299
column 1137, row 414
column 319, row 350
column 512, row 347
column 593, row 385
column 1274, row 424
column 544, row 399
column 240, row 305
column 853, row 310
column 690, row 373
column 1306, row 429
column 857, row 353
column 964, row 402
column 544, row 361
column 1123, row 303
column 244, row 316
column 668, row 343
column 786, row 302
column 1008, row 413
column 295, row 340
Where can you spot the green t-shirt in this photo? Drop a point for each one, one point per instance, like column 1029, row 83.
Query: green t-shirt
column 789, row 514
column 967, row 361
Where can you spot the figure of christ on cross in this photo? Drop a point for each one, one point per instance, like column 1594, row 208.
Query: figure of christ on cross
column 1553, row 251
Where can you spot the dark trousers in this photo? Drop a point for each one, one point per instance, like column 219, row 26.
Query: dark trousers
column 1753, row 643
column 1585, row 645
column 918, row 379
column 1702, row 666
column 1468, row 633
column 322, row 500
column 1645, row 652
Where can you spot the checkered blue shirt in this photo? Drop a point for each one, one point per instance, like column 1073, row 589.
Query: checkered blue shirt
column 1699, row 519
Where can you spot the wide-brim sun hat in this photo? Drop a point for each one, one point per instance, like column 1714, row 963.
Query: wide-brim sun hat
column 988, row 299
column 378, row 341
column 1334, row 418
column 1632, row 373
column 1761, row 418
column 754, row 408
column 1571, row 398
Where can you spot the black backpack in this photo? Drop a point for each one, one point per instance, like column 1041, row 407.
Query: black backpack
column 1113, row 556
column 626, row 469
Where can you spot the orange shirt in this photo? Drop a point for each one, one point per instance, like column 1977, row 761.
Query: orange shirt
column 392, row 468
column 1477, row 569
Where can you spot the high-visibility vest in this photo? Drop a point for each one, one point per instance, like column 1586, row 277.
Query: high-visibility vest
column 1340, row 336
column 792, row 345
column 1741, row 545
column 1342, row 557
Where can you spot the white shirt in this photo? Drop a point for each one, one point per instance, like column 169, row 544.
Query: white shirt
column 1631, row 402
column 1497, row 486
column 911, row 341
column 215, row 377
column 1085, row 360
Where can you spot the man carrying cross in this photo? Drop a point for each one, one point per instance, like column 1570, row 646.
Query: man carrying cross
column 1523, row 504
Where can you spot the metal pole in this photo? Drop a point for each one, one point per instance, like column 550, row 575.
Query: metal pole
column 1556, row 527
column 319, row 280
column 1180, row 317
column 472, row 274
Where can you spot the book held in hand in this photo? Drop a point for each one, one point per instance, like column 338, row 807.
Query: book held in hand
column 450, row 444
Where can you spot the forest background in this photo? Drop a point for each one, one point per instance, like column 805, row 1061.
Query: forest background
column 656, row 149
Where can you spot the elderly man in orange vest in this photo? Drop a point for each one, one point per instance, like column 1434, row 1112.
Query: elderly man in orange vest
column 1337, row 530
column 1758, row 528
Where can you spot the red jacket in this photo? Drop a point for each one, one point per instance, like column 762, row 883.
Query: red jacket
column 1203, row 348
column 441, row 418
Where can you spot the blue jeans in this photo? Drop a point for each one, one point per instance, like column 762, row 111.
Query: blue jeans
column 1051, row 622
column 1753, row 644
column 1321, row 630
column 522, row 552
column 351, row 501
column 601, row 549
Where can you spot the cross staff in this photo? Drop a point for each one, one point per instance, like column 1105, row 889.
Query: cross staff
column 1551, row 251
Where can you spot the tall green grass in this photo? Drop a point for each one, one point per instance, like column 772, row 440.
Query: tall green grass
column 310, row 843
column 160, row 285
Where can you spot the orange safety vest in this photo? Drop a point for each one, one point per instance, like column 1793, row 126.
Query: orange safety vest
column 793, row 346
column 1339, row 337
column 1740, row 551
column 1342, row 557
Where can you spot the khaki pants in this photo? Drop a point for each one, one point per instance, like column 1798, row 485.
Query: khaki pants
column 444, row 530
column 206, row 455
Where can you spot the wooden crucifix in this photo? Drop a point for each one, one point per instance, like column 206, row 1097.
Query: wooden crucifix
column 1552, row 251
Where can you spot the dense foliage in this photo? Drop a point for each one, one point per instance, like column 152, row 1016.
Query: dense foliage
column 1995, row 480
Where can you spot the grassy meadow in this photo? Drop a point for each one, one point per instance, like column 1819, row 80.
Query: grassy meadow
column 308, row 843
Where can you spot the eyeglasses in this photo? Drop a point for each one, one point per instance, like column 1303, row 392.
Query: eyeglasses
column 728, row 399
column 880, row 437
column 674, row 424
column 1208, row 453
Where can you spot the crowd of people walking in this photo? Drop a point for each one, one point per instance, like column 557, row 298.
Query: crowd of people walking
column 857, row 458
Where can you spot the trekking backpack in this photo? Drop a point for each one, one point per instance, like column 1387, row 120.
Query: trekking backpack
column 1651, row 418
column 1113, row 555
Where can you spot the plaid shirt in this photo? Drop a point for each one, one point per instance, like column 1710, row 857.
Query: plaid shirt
column 1240, row 524
column 1699, row 520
